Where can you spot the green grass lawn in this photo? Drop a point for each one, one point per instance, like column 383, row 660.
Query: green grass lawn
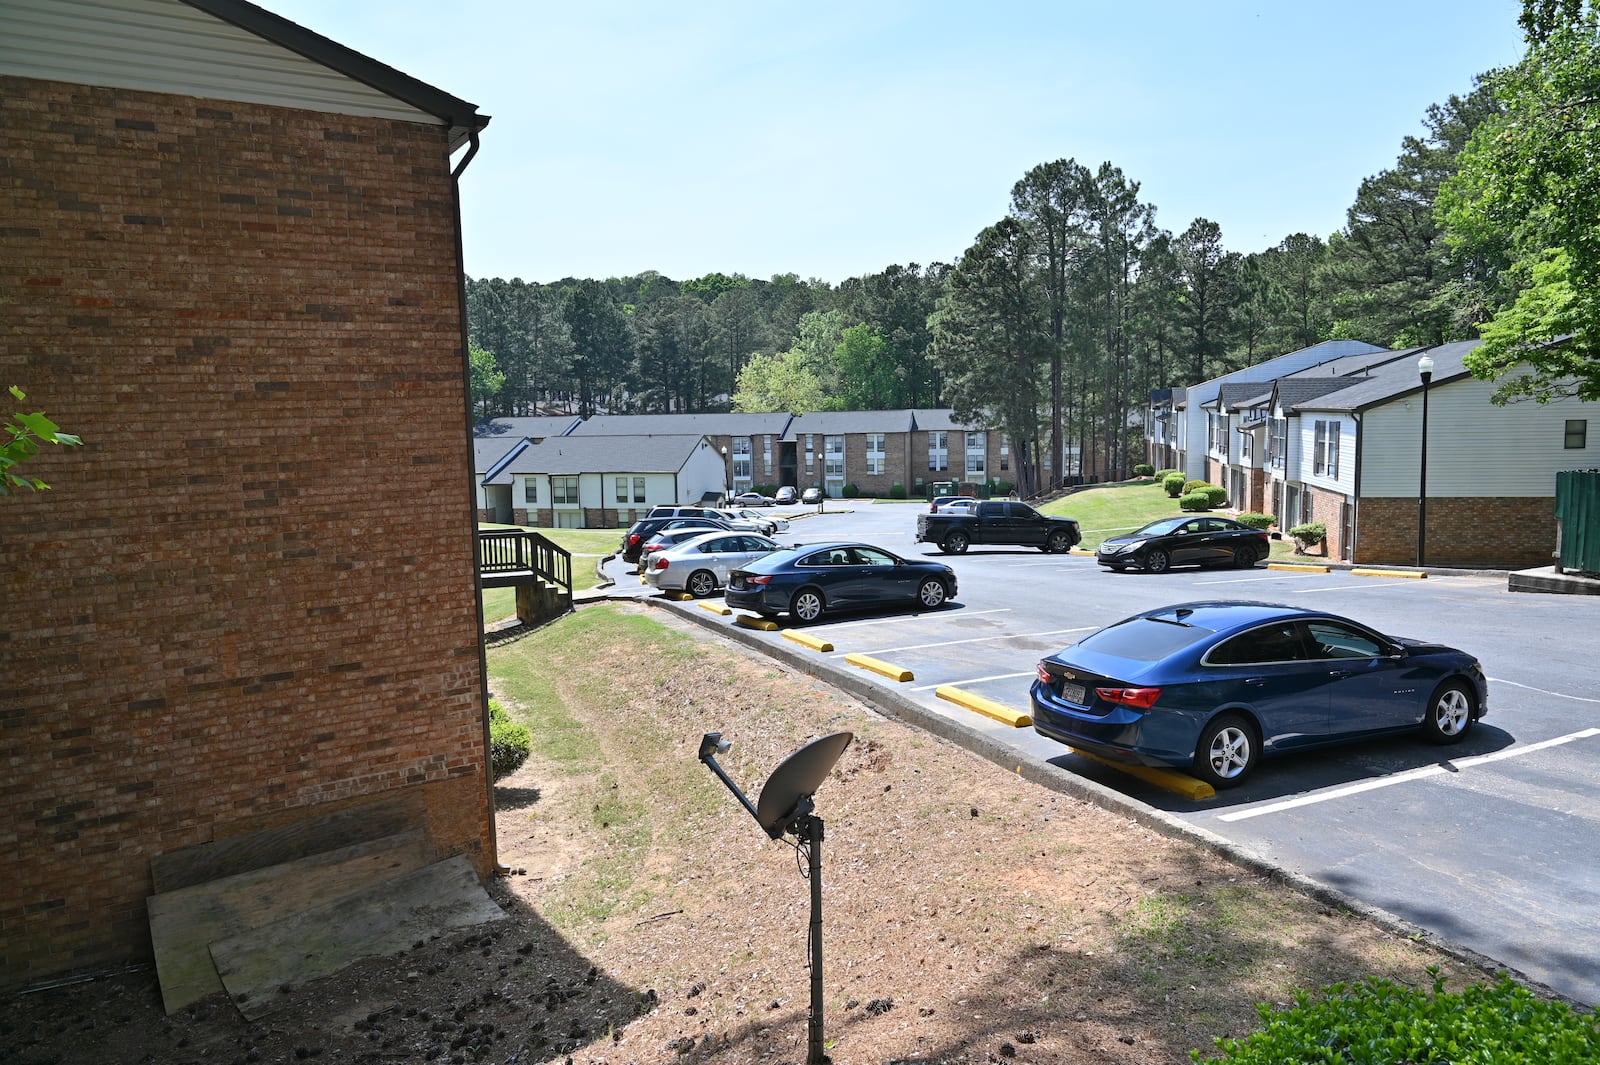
column 588, row 546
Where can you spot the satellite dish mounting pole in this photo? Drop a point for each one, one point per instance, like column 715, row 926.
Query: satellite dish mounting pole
column 809, row 829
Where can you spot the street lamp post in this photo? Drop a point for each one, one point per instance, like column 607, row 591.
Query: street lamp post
column 727, row 478
column 1425, row 371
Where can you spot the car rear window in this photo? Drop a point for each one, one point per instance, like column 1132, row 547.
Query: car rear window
column 1143, row 639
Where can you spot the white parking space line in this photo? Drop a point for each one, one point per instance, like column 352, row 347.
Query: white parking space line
column 971, row 680
column 1408, row 776
column 845, row 626
column 981, row 639
column 1274, row 577
column 1542, row 691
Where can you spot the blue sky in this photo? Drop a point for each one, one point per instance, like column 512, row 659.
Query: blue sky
column 832, row 139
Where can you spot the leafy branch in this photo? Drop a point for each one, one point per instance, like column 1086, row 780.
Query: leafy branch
column 26, row 431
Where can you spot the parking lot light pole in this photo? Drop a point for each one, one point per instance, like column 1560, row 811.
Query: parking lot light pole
column 1425, row 371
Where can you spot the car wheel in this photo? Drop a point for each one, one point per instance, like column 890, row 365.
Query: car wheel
column 931, row 593
column 1449, row 714
column 702, row 583
column 1156, row 560
column 1227, row 751
column 955, row 544
column 1059, row 543
column 1244, row 558
column 806, row 606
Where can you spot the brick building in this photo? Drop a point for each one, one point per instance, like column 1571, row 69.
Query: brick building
column 230, row 261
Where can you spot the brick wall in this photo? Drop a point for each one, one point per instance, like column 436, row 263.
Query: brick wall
column 250, row 594
column 1510, row 533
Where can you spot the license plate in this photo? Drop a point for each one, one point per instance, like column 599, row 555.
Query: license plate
column 1072, row 693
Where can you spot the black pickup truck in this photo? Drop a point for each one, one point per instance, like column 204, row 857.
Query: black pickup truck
column 997, row 521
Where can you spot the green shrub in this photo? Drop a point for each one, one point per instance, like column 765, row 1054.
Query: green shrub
column 1309, row 534
column 1189, row 486
column 1144, row 469
column 1194, row 501
column 1218, row 496
column 1381, row 1021
column 1257, row 521
column 1001, row 488
column 851, row 491
column 1173, row 484
column 509, row 742
column 897, row 491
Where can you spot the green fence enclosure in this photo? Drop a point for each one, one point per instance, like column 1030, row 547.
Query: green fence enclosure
column 1578, row 510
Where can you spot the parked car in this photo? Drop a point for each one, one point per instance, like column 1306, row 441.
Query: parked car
column 1198, row 540
column 1212, row 687
column 750, row 499
column 958, row 505
column 633, row 540
column 748, row 519
column 938, row 503
column 997, row 521
column 661, row 541
column 812, row 579
column 700, row 565
column 811, row 496
column 786, row 496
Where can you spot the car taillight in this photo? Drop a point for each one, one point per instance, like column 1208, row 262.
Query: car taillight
column 633, row 540
column 1043, row 674
column 661, row 563
column 751, row 578
column 1138, row 698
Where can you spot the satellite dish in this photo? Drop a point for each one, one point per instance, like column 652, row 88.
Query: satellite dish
column 787, row 793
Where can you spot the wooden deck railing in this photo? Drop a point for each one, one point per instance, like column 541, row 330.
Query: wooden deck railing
column 508, row 557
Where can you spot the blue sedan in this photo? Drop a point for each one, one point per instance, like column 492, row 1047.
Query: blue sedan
column 811, row 579
column 1212, row 687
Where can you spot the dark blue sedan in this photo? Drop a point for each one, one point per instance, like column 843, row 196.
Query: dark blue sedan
column 813, row 578
column 1212, row 687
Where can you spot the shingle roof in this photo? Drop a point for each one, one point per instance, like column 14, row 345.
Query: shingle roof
column 938, row 420
column 1395, row 378
column 536, row 427
column 678, row 424
column 605, row 455
column 841, row 422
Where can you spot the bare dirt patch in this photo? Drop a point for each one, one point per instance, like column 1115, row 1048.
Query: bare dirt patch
column 970, row 916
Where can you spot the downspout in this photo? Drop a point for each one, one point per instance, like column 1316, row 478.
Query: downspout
column 492, row 843
column 1355, row 492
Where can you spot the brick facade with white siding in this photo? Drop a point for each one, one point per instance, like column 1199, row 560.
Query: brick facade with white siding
column 250, row 594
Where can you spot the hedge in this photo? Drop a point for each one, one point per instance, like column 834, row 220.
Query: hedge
column 509, row 741
column 1257, row 521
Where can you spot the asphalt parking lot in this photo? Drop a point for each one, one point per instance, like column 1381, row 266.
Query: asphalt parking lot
column 1488, row 845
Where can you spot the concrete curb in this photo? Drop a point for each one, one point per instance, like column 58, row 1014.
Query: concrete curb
column 899, row 707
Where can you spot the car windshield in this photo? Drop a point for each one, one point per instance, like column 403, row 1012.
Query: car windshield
column 1162, row 527
column 1143, row 639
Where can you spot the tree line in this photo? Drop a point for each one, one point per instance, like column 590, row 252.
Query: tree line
column 1060, row 319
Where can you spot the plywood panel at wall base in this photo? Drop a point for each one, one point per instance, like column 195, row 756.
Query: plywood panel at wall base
column 256, row 967
column 184, row 923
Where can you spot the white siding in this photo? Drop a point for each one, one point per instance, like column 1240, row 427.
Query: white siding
column 1306, row 452
column 169, row 47
column 1474, row 447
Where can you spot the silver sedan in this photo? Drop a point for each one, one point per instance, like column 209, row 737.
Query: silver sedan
column 700, row 565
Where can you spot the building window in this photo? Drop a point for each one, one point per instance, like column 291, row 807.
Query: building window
column 622, row 489
column 530, row 489
column 742, row 469
column 833, row 457
column 1577, row 434
column 766, row 453
column 976, row 453
column 1005, row 456
column 638, row 489
column 1247, row 447
column 938, row 451
column 1325, row 462
column 1278, row 442
column 564, row 491
column 876, row 462
column 810, row 453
